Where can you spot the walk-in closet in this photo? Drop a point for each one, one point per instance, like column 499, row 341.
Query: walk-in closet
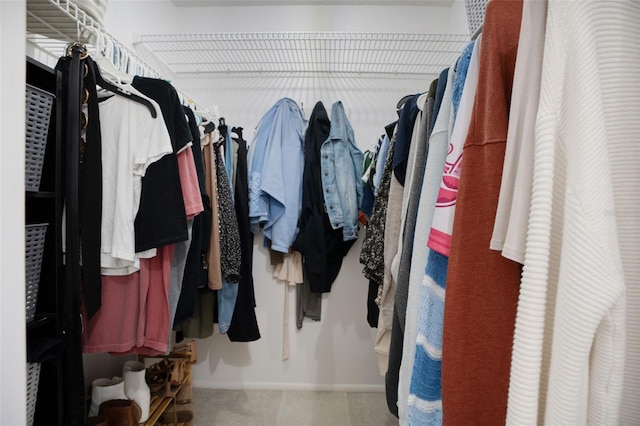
column 257, row 212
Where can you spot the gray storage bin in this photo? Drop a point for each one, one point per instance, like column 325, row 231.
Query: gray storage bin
column 38, row 115
column 34, row 247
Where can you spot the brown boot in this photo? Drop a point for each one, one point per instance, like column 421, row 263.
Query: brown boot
column 97, row 421
column 121, row 412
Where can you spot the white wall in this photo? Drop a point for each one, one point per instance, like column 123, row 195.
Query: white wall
column 336, row 353
column 12, row 290
column 333, row 354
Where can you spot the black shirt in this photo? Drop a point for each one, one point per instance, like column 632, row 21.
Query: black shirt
column 161, row 218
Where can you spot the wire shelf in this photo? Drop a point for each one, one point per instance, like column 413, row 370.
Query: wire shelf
column 306, row 53
column 52, row 24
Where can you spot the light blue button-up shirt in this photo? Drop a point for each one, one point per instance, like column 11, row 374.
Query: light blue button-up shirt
column 276, row 160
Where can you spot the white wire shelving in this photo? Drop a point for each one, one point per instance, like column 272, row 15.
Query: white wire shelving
column 52, row 24
column 374, row 55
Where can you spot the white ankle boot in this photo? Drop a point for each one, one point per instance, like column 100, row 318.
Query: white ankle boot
column 135, row 386
column 104, row 390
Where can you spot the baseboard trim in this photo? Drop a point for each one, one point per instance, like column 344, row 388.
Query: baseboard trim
column 204, row 384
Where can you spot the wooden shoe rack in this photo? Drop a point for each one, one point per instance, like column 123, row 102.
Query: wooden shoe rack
column 166, row 405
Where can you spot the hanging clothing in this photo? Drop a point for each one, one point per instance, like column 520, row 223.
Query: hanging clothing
column 426, row 385
column 438, row 146
column 512, row 215
column 403, row 137
column 212, row 246
column 290, row 271
column 381, row 160
column 443, row 80
column 308, row 304
column 227, row 149
column 386, row 292
column 371, row 254
column 276, row 159
column 158, row 286
column 134, row 316
column 230, row 249
column 124, row 164
column 482, row 286
column 244, row 325
column 437, row 152
column 442, row 224
column 161, row 219
column 580, row 290
column 322, row 246
column 200, row 325
column 193, row 266
column 369, row 168
column 403, row 256
column 341, row 167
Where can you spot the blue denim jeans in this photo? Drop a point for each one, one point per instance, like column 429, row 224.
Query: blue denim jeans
column 227, row 296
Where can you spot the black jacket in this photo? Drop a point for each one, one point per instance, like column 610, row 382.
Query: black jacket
column 322, row 246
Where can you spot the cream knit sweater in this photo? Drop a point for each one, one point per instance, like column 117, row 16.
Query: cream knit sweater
column 576, row 356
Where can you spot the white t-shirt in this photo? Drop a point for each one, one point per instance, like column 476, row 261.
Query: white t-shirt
column 131, row 140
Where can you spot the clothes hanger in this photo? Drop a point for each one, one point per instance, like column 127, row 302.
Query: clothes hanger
column 209, row 127
column 107, row 85
column 421, row 100
column 105, row 51
column 403, row 101
column 110, row 86
column 204, row 116
column 389, row 128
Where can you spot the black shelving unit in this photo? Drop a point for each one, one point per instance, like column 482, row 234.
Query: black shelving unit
column 52, row 320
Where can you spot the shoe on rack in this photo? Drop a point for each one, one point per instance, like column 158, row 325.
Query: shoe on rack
column 104, row 390
column 136, row 388
column 121, row 412
column 97, row 421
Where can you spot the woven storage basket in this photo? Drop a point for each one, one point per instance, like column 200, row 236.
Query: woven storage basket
column 33, row 378
column 34, row 246
column 38, row 110
column 475, row 14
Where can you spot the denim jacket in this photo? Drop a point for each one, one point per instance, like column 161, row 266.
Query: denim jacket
column 341, row 165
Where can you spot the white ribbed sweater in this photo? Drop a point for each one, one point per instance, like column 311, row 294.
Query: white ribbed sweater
column 576, row 356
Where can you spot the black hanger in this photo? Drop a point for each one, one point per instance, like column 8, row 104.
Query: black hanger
column 402, row 101
column 209, row 127
column 223, row 129
column 389, row 128
column 238, row 131
column 100, row 81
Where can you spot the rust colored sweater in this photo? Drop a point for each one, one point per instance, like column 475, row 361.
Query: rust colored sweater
column 482, row 286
